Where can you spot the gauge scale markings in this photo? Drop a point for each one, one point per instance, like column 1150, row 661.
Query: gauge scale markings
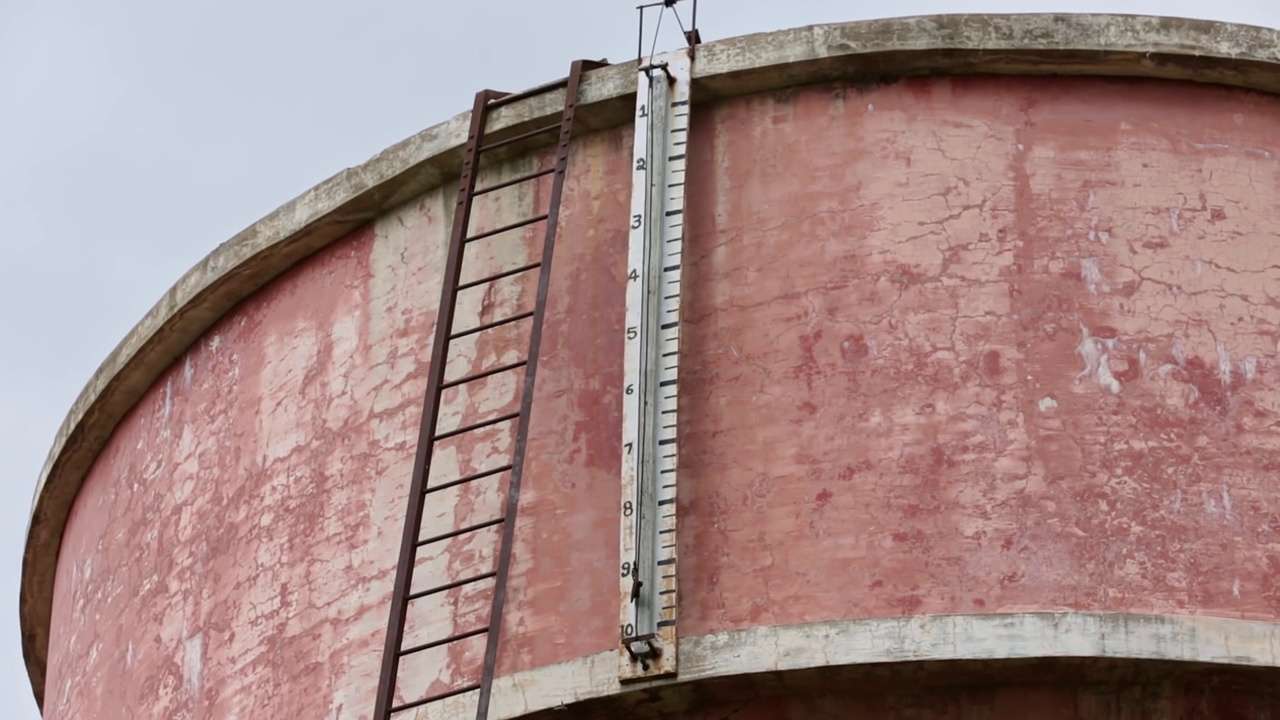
column 648, row 592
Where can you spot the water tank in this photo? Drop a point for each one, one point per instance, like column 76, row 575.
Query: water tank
column 978, row 416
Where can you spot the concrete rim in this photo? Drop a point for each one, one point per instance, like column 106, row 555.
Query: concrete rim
column 843, row 643
column 1099, row 45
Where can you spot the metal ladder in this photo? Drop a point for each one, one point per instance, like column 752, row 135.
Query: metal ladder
column 429, row 435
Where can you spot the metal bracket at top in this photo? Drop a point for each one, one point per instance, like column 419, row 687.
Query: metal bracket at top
column 691, row 35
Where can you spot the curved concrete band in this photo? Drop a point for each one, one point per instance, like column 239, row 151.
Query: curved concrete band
column 791, row 648
column 1106, row 45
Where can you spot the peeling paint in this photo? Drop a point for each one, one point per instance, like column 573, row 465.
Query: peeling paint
column 1249, row 368
column 1096, row 354
column 193, row 665
column 1092, row 275
column 1224, row 364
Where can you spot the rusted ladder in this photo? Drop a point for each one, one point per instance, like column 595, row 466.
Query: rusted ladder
column 420, row 492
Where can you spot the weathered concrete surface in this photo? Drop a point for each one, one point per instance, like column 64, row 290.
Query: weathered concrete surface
column 810, row 659
column 1092, row 45
column 958, row 690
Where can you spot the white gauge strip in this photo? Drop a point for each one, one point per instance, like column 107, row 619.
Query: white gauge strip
column 647, row 628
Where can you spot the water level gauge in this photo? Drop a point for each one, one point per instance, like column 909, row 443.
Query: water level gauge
column 647, row 628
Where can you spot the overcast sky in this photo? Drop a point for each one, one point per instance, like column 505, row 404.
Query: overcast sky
column 136, row 136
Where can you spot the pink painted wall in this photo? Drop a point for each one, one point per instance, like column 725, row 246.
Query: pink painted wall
column 1011, row 345
column 971, row 345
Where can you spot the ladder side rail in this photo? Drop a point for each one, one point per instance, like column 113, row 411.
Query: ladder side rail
column 526, row 400
column 430, row 414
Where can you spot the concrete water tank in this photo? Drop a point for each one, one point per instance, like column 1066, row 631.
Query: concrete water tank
column 981, row 335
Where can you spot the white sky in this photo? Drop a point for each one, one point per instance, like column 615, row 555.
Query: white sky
column 137, row 136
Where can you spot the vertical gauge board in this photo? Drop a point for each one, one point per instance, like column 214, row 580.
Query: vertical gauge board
column 651, row 375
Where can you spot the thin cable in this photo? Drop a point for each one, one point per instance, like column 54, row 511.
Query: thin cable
column 656, row 31
column 683, row 32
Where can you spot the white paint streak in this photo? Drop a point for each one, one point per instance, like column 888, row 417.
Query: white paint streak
column 1224, row 146
column 282, row 390
column 1209, row 504
column 1224, row 364
column 1096, row 235
column 193, row 664
column 1091, row 274
column 1096, row 354
column 1249, row 368
column 1174, row 225
column 1235, row 588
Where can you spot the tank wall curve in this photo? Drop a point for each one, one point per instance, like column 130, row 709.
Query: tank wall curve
column 232, row 551
column 954, row 346
column 1055, row 690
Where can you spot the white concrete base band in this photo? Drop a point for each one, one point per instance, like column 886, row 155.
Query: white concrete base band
column 781, row 648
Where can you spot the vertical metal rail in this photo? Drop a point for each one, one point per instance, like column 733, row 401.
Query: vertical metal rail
column 428, row 433
column 430, row 414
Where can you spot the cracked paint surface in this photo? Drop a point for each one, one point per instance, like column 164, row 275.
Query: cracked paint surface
column 233, row 550
column 950, row 346
column 1011, row 344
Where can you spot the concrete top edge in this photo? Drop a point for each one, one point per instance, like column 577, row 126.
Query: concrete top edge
column 1065, row 44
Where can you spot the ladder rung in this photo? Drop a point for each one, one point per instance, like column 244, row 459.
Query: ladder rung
column 492, row 325
column 476, row 426
column 461, row 531
column 483, row 374
column 432, row 698
column 467, row 479
column 446, row 641
column 517, row 138
column 538, row 90
column 452, row 585
column 505, row 228
column 514, row 181
column 505, row 273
